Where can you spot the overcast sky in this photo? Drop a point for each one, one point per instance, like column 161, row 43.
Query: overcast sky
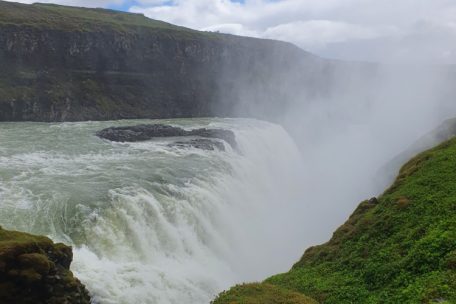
column 375, row 30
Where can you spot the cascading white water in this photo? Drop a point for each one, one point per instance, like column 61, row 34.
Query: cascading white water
column 151, row 223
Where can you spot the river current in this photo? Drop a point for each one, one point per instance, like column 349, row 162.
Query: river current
column 153, row 223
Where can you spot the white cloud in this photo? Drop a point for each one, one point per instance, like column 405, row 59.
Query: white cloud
column 347, row 29
column 152, row 2
column 232, row 28
column 317, row 34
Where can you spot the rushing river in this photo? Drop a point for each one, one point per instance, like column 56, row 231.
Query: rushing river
column 153, row 223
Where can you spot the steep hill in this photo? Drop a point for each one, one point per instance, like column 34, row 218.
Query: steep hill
column 66, row 63
column 399, row 248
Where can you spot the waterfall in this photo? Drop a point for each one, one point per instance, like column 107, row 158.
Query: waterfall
column 154, row 223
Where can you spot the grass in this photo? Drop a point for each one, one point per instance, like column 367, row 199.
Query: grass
column 261, row 294
column 26, row 257
column 400, row 248
column 33, row 269
column 57, row 17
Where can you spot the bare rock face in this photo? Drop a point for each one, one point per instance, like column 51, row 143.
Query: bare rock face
column 33, row 269
column 147, row 132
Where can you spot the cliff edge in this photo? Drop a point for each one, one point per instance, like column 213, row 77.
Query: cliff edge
column 33, row 269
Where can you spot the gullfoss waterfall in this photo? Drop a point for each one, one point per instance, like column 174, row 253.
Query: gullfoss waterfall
column 152, row 222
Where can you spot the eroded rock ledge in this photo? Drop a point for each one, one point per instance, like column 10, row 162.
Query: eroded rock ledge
column 150, row 131
column 33, row 269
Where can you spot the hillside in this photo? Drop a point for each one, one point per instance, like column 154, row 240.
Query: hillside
column 399, row 248
column 62, row 63
column 57, row 17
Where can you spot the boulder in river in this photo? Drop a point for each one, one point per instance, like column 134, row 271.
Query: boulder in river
column 149, row 131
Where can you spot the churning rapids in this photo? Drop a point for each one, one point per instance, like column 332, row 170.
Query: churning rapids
column 150, row 222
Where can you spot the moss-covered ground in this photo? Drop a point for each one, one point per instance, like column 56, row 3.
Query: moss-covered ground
column 33, row 269
column 400, row 248
column 262, row 294
column 67, row 18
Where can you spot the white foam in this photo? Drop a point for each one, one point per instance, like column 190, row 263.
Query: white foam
column 157, row 224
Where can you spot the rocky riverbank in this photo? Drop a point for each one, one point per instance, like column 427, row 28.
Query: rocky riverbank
column 33, row 269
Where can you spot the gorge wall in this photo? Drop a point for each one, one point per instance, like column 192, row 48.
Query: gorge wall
column 63, row 63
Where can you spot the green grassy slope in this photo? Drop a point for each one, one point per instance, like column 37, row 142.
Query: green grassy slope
column 264, row 293
column 400, row 248
column 50, row 16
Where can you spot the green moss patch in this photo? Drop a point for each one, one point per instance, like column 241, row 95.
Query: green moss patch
column 261, row 294
column 35, row 270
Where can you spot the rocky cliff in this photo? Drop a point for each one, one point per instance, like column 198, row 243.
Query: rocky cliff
column 35, row 270
column 64, row 63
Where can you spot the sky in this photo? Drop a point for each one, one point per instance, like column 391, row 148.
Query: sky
column 370, row 30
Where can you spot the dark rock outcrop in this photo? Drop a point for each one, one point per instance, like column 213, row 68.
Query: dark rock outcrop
column 33, row 269
column 146, row 132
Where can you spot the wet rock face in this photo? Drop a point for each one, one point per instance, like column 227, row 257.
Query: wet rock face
column 147, row 132
column 35, row 270
column 139, row 132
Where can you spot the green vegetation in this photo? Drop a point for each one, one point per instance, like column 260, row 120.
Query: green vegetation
column 400, row 248
column 261, row 294
column 51, row 16
column 35, row 270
